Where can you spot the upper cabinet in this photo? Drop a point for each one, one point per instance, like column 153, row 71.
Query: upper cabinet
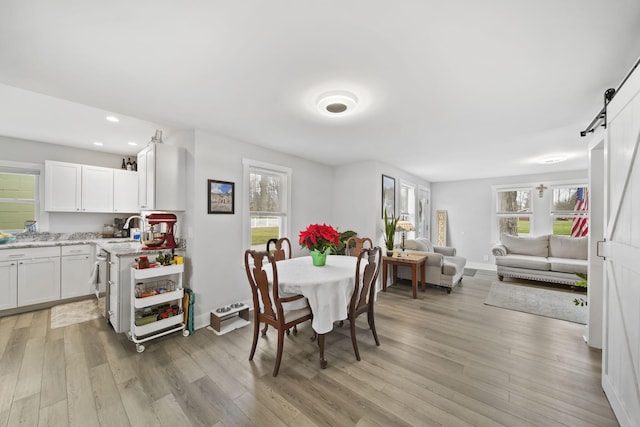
column 125, row 191
column 97, row 189
column 62, row 186
column 161, row 177
column 71, row 187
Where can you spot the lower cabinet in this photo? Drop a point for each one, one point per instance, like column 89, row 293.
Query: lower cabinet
column 8, row 284
column 75, row 271
column 38, row 280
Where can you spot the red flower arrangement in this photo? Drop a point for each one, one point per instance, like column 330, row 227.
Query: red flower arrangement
column 319, row 237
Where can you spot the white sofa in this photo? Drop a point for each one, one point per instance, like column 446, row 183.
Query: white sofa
column 444, row 268
column 547, row 258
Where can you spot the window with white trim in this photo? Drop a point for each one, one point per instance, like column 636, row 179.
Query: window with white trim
column 514, row 211
column 19, row 201
column 570, row 210
column 268, row 199
column 408, row 205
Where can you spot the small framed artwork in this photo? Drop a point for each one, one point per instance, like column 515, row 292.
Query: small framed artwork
column 220, row 197
column 388, row 195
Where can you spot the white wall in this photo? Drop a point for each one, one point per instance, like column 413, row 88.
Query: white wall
column 217, row 246
column 470, row 211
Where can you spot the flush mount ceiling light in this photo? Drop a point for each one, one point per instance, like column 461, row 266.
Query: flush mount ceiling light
column 133, row 143
column 337, row 103
column 98, row 143
column 113, row 119
column 551, row 160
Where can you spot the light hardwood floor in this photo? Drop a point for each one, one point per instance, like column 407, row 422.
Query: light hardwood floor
column 444, row 360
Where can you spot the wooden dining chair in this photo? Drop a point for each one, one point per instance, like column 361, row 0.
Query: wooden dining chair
column 355, row 245
column 364, row 293
column 282, row 248
column 271, row 311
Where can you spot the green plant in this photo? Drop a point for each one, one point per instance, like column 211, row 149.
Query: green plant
column 344, row 236
column 581, row 284
column 389, row 230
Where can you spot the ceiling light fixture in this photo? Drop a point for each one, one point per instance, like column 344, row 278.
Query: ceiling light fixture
column 98, row 143
column 551, row 160
column 113, row 119
column 133, row 143
column 337, row 103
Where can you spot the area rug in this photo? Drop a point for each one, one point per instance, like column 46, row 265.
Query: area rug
column 76, row 312
column 542, row 302
column 470, row 272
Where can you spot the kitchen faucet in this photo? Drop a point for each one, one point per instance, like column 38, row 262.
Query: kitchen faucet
column 141, row 218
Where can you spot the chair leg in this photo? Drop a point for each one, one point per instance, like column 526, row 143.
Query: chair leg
column 295, row 329
column 264, row 331
column 372, row 325
column 256, row 328
column 279, row 353
column 352, row 324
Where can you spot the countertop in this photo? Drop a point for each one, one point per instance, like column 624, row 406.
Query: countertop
column 115, row 246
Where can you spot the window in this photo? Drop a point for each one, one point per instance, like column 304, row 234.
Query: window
column 268, row 196
column 570, row 210
column 18, row 197
column 408, row 205
column 513, row 211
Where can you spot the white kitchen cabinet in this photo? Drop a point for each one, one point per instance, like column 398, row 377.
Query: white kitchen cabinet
column 38, row 274
column 8, row 284
column 97, row 189
column 75, row 271
column 71, row 187
column 161, row 177
column 63, row 187
column 125, row 191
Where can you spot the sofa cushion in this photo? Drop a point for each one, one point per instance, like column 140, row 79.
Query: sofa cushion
column 568, row 265
column 535, row 246
column 426, row 243
column 415, row 245
column 524, row 261
column 568, row 247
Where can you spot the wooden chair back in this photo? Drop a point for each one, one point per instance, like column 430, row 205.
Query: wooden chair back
column 282, row 248
column 364, row 293
column 355, row 245
column 267, row 303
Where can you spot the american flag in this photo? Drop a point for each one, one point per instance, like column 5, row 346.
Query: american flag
column 580, row 225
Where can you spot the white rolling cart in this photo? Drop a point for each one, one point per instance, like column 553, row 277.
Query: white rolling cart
column 156, row 303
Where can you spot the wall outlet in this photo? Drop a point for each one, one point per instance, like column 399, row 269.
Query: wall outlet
column 485, row 258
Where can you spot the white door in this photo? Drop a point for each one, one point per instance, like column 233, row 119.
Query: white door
column 8, row 284
column 74, row 279
column 38, row 280
column 62, row 186
column 125, row 191
column 621, row 341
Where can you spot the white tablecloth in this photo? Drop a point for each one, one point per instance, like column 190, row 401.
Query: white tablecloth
column 328, row 288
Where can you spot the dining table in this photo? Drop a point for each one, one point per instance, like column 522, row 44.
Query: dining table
column 328, row 289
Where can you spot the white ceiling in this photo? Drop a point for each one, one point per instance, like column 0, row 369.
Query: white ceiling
column 448, row 90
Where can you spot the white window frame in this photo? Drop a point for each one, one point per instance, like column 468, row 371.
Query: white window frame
column 248, row 165
column 568, row 213
column 497, row 215
column 411, row 214
column 37, row 169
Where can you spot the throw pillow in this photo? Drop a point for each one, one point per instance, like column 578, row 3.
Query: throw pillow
column 568, row 247
column 534, row 246
column 428, row 246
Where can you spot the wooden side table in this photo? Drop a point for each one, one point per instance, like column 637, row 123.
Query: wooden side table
column 411, row 260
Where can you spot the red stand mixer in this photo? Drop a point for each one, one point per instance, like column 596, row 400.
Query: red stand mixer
column 164, row 239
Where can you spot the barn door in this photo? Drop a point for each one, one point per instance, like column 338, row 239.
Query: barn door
column 621, row 346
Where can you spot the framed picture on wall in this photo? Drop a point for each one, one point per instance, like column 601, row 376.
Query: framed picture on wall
column 220, row 197
column 388, row 195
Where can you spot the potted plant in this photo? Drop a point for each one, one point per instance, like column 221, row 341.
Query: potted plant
column 390, row 225
column 320, row 240
column 581, row 284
